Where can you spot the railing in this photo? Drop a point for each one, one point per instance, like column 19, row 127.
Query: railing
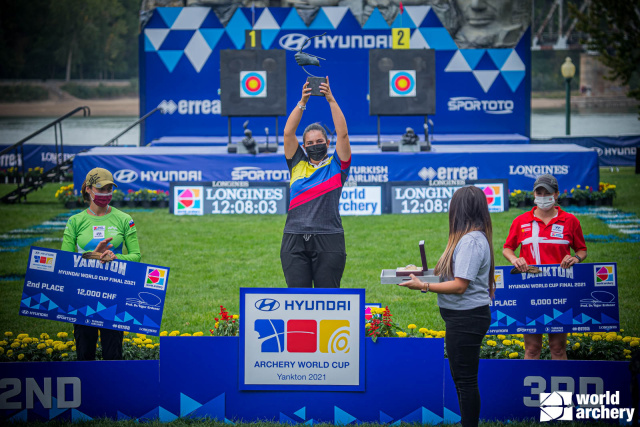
column 57, row 129
column 62, row 165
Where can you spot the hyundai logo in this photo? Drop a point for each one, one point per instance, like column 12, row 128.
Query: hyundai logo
column 125, row 176
column 267, row 304
column 293, row 41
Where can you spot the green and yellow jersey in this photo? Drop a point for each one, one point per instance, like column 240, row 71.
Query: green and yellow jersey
column 84, row 232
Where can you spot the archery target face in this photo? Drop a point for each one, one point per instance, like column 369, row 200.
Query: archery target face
column 253, row 84
column 402, row 83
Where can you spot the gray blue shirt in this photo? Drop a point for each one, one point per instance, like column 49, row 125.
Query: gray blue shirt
column 471, row 261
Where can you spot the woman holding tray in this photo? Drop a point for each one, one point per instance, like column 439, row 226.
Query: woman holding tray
column 106, row 230
column 466, row 268
column 313, row 249
column 546, row 235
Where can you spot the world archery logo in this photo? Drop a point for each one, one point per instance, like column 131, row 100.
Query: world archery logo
column 253, row 84
column 188, row 201
column 303, row 336
column 556, row 406
column 604, row 275
column 156, row 278
column 402, row 83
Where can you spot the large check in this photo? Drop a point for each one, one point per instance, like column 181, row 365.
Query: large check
column 119, row 295
column 583, row 298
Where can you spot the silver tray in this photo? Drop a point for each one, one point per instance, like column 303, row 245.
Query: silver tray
column 388, row 277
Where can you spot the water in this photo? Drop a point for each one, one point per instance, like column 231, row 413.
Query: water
column 98, row 130
column 550, row 123
column 75, row 130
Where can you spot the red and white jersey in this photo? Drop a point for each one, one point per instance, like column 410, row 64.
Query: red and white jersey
column 545, row 244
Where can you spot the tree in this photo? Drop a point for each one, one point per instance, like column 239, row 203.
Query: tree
column 614, row 31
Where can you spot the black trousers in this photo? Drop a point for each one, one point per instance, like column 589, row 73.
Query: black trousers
column 313, row 260
column 465, row 330
column 87, row 338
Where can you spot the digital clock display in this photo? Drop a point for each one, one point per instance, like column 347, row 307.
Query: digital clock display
column 229, row 197
column 420, row 198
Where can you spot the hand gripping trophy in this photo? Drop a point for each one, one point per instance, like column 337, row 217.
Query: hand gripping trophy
column 303, row 59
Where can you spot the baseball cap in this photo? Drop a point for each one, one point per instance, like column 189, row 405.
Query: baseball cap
column 99, row 177
column 549, row 182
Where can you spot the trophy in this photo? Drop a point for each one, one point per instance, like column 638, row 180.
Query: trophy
column 303, row 59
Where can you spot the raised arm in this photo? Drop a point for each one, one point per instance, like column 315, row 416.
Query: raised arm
column 290, row 140
column 343, row 147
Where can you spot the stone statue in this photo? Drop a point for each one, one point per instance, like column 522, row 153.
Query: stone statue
column 248, row 142
column 410, row 137
column 484, row 23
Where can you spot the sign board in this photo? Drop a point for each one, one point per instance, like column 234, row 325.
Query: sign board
column 228, row 197
column 420, row 198
column 302, row 339
column 119, row 295
column 582, row 298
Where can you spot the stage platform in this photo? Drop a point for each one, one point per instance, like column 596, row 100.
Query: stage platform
column 203, row 141
column 154, row 167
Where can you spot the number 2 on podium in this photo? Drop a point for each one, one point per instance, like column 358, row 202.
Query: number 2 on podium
column 400, row 38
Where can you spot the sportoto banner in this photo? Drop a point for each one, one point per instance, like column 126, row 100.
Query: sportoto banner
column 120, row 295
column 155, row 167
column 302, row 339
column 486, row 89
column 582, row 298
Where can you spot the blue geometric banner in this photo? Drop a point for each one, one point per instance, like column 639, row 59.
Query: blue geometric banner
column 479, row 91
column 197, row 377
column 525, row 380
column 583, row 298
column 119, row 295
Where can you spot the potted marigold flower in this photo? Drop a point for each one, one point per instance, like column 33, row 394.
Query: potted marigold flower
column 609, row 193
column 516, row 198
column 67, row 195
column 580, row 195
column 130, row 199
column 161, row 199
column 563, row 199
column 117, row 199
column 595, row 197
column 144, row 197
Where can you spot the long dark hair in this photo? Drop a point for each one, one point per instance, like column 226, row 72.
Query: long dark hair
column 468, row 211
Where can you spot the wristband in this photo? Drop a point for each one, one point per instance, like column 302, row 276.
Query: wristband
column 423, row 290
column 579, row 259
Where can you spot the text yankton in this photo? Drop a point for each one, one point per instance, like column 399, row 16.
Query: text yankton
column 113, row 266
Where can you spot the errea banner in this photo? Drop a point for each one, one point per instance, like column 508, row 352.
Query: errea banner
column 302, row 339
column 119, row 295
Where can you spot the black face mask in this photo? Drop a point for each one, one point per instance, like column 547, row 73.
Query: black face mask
column 317, row 152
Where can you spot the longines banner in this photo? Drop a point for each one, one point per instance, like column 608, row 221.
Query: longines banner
column 119, row 295
column 582, row 298
column 487, row 89
column 302, row 339
column 242, row 197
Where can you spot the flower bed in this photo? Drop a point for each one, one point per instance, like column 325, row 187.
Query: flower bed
column 603, row 196
column 580, row 346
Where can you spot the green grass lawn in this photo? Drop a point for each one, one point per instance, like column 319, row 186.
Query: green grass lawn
column 211, row 257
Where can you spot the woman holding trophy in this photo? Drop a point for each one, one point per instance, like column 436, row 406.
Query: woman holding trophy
column 313, row 247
